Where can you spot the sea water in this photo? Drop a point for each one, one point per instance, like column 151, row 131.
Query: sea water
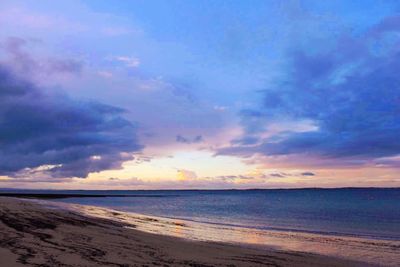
column 369, row 212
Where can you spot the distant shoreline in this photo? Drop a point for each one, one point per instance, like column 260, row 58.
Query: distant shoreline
column 59, row 196
column 7, row 190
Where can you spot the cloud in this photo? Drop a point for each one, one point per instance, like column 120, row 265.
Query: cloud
column 350, row 91
column 308, row 174
column 278, row 175
column 220, row 108
column 22, row 61
column 72, row 138
column 131, row 62
column 247, row 140
column 235, row 177
column 114, row 181
column 185, row 140
column 289, row 174
column 64, row 66
column 140, row 158
column 185, row 175
column 389, row 24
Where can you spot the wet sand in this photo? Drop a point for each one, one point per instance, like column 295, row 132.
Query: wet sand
column 35, row 234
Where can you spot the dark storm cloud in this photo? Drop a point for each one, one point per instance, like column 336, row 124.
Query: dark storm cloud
column 76, row 138
column 350, row 90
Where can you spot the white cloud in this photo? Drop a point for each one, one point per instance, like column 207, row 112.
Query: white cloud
column 131, row 62
column 220, row 108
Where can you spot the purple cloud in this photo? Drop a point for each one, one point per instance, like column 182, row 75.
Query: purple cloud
column 22, row 61
column 350, row 90
column 71, row 138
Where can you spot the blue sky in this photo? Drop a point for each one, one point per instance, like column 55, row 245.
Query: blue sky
column 199, row 94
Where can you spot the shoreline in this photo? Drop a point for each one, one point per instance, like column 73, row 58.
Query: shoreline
column 35, row 234
column 373, row 251
column 265, row 229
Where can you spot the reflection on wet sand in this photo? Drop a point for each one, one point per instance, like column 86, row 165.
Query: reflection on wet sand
column 381, row 252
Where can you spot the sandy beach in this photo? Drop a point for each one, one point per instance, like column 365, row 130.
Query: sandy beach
column 33, row 234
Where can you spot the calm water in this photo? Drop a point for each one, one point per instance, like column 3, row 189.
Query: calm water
column 373, row 213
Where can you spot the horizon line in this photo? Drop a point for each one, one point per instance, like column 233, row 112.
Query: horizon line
column 209, row 189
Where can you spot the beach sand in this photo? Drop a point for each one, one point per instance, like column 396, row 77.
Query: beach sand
column 33, row 234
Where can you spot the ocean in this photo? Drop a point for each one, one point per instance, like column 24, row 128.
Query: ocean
column 360, row 212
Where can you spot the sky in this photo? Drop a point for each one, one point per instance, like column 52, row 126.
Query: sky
column 199, row 94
